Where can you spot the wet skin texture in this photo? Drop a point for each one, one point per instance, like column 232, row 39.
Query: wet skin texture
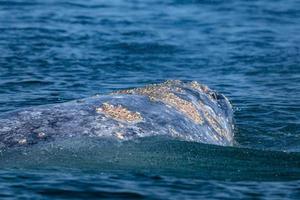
column 185, row 110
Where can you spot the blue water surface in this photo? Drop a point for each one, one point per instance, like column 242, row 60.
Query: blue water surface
column 54, row 51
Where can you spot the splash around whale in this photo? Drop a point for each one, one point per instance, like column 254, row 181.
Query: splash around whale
column 185, row 110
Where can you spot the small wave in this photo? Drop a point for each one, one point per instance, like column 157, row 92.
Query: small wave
column 158, row 155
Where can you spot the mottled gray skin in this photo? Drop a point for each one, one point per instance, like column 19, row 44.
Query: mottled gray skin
column 48, row 123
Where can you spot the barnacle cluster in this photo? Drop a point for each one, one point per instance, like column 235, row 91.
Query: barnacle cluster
column 165, row 92
column 183, row 106
column 203, row 89
column 119, row 113
column 212, row 119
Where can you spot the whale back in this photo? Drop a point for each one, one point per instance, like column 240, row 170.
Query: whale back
column 184, row 110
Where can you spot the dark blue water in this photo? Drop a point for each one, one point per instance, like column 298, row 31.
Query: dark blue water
column 54, row 51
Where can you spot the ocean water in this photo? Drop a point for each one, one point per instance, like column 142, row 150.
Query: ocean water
column 54, row 51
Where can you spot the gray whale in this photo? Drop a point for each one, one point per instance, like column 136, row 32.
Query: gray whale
column 185, row 110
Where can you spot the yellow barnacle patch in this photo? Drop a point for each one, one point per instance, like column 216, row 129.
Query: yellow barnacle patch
column 119, row 113
column 165, row 92
column 183, row 106
column 212, row 120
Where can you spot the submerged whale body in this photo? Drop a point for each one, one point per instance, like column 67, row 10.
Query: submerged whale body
column 185, row 110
